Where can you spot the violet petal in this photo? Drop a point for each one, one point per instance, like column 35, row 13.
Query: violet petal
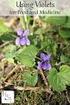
column 17, row 41
column 20, row 32
column 45, row 57
column 26, row 32
column 23, row 41
column 39, row 65
column 27, row 41
column 46, row 66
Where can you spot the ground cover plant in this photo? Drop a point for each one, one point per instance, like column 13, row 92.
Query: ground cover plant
column 35, row 59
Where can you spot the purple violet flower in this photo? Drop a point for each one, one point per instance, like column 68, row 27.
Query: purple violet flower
column 22, row 38
column 44, row 63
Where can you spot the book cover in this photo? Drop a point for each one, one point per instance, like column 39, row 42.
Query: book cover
column 34, row 52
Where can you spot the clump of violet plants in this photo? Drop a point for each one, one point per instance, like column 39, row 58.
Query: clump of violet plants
column 41, row 37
